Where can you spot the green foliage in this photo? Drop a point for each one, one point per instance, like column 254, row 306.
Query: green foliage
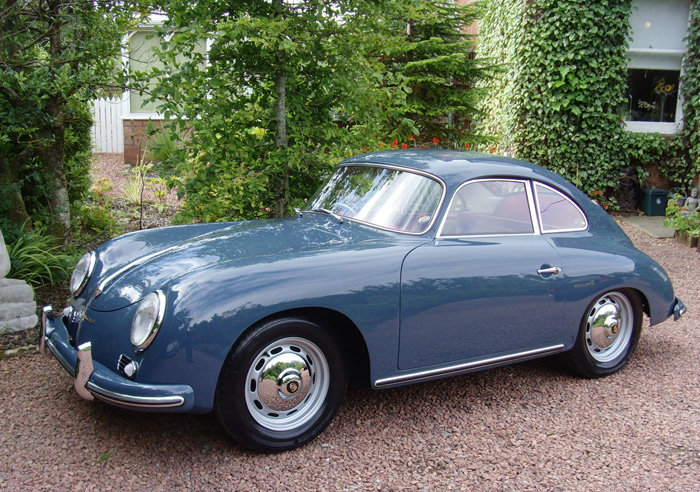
column 37, row 186
column 430, row 59
column 78, row 150
column 289, row 88
column 678, row 217
column 244, row 157
column 559, row 97
column 567, row 116
column 36, row 259
column 684, row 166
column 55, row 57
column 93, row 219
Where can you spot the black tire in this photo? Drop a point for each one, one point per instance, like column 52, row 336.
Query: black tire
column 608, row 335
column 281, row 385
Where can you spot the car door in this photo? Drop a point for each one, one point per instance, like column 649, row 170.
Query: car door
column 486, row 286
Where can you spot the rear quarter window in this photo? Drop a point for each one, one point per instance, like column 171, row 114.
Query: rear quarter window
column 557, row 212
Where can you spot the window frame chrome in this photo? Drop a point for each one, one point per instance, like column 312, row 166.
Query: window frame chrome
column 536, row 231
column 533, row 206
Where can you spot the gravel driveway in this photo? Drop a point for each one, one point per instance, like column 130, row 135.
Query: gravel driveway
column 525, row 427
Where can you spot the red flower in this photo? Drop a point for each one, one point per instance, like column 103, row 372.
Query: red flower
column 404, row 146
column 395, row 143
column 381, row 144
column 365, row 147
column 467, row 145
column 435, row 140
column 493, row 149
column 410, row 137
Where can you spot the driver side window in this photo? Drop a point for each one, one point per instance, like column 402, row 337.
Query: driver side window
column 489, row 207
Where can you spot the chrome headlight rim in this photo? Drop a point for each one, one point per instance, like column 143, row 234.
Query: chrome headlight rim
column 154, row 322
column 84, row 268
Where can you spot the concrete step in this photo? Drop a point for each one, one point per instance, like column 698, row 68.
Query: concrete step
column 13, row 290
column 17, row 324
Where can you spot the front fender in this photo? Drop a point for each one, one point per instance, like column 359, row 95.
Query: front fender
column 209, row 310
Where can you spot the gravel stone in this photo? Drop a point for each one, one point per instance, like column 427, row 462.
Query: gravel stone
column 528, row 427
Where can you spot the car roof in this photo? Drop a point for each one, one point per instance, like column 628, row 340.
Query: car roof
column 456, row 166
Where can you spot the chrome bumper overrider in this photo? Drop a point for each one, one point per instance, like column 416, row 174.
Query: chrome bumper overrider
column 94, row 380
column 678, row 309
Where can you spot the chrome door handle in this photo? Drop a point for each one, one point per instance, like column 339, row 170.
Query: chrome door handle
column 549, row 271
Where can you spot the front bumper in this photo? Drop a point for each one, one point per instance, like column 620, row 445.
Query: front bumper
column 94, row 380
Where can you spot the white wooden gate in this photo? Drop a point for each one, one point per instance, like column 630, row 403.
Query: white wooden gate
column 107, row 131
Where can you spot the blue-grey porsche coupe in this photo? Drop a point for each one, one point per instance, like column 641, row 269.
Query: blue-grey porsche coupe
column 406, row 266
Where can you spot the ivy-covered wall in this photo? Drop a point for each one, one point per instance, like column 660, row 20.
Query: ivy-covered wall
column 559, row 97
column 689, row 139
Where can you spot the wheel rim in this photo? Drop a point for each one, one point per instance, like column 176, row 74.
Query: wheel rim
column 287, row 384
column 609, row 327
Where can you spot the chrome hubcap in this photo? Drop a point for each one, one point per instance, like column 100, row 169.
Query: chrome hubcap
column 609, row 327
column 287, row 384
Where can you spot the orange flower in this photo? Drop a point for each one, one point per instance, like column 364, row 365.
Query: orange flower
column 410, row 137
column 467, row 145
column 381, row 144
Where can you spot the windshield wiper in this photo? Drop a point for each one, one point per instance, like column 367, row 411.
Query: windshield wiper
column 329, row 212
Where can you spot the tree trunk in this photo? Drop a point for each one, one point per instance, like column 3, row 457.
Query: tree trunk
column 52, row 156
column 281, row 177
column 9, row 181
column 281, row 142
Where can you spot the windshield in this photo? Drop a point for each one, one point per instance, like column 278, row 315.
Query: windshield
column 387, row 198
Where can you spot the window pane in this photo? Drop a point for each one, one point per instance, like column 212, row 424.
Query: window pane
column 652, row 95
column 388, row 198
column 558, row 213
column 659, row 24
column 489, row 208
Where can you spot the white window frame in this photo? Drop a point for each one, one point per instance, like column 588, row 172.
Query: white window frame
column 658, row 59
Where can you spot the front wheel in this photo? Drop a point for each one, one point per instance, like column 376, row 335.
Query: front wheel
column 608, row 335
column 281, row 385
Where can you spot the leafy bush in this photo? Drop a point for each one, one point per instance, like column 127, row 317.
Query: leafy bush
column 560, row 96
column 36, row 259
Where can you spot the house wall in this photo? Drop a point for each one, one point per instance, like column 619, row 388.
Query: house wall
column 136, row 139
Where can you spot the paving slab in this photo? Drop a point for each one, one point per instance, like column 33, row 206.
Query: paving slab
column 654, row 226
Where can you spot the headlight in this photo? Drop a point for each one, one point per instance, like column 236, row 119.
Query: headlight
column 147, row 320
column 82, row 272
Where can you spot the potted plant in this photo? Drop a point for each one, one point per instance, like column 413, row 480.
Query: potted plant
column 684, row 221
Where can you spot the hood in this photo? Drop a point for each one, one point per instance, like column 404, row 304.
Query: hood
column 136, row 264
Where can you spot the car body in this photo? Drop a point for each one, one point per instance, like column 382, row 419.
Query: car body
column 407, row 266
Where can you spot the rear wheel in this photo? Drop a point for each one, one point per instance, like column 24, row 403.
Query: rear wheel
column 608, row 335
column 281, row 385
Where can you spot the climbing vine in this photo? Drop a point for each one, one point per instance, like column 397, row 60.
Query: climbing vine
column 559, row 97
column 684, row 166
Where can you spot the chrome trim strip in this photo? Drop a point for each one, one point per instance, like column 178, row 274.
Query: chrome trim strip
column 532, row 205
column 135, row 401
column 140, row 261
column 460, row 368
